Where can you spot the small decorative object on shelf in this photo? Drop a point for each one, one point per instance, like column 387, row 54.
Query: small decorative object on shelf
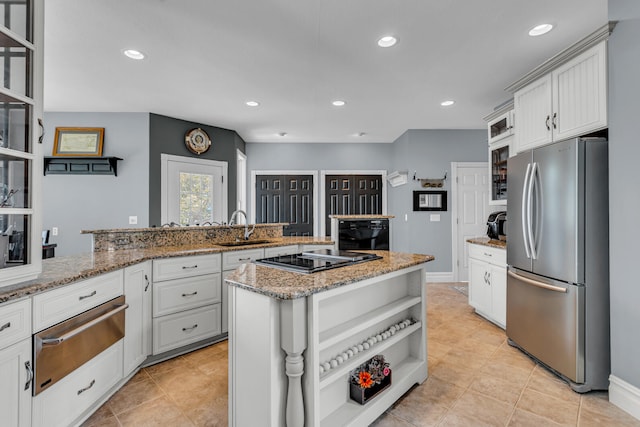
column 78, row 142
column 369, row 379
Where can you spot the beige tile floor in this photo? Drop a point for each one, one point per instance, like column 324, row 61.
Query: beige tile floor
column 475, row 379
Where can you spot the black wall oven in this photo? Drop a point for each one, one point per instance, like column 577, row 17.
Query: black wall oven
column 363, row 234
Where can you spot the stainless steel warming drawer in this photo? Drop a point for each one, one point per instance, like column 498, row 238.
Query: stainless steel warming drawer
column 64, row 347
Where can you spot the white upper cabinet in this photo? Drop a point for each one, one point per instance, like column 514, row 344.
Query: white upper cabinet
column 21, row 36
column 569, row 101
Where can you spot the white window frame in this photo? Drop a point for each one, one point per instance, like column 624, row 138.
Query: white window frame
column 164, row 182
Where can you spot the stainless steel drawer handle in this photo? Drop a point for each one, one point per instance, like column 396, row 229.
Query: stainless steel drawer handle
column 83, row 327
column 538, row 284
column 191, row 294
column 82, row 390
column 5, row 326
column 148, row 283
column 486, row 254
column 80, row 298
column 187, row 267
column 244, row 259
column 27, row 366
column 190, row 329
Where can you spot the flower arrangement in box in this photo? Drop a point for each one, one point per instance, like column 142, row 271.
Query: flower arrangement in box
column 369, row 379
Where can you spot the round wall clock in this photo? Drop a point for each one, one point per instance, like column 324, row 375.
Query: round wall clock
column 197, row 141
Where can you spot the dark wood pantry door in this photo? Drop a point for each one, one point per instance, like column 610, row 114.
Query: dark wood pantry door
column 286, row 198
column 352, row 195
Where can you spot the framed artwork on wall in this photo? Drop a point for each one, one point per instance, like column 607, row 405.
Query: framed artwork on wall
column 74, row 141
column 429, row 200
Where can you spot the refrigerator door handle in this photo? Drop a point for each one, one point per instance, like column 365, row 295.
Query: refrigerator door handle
column 536, row 283
column 530, row 235
column 524, row 211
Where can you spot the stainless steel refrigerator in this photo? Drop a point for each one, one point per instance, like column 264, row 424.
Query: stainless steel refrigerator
column 558, row 259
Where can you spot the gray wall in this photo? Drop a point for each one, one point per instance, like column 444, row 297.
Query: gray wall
column 166, row 135
column 429, row 152
column 80, row 202
column 624, row 197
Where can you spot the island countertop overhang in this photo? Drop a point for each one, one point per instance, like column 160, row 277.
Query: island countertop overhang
column 286, row 285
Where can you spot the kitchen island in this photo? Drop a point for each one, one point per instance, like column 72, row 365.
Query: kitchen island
column 295, row 338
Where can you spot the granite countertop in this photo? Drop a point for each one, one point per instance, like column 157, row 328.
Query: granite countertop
column 60, row 271
column 282, row 284
column 361, row 216
column 485, row 241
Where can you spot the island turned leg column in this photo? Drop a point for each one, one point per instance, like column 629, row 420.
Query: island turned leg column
column 293, row 340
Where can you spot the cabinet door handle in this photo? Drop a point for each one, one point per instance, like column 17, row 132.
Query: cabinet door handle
column 87, row 296
column 553, row 121
column 82, row 390
column 190, row 329
column 41, row 137
column 148, row 283
column 187, row 267
column 5, row 326
column 27, row 365
column 487, row 254
column 191, row 294
column 244, row 259
column 546, row 122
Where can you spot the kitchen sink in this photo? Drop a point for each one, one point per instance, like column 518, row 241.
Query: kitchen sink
column 243, row 242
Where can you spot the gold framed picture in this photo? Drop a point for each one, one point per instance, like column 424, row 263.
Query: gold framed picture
column 78, row 142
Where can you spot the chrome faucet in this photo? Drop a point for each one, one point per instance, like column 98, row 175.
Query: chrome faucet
column 232, row 221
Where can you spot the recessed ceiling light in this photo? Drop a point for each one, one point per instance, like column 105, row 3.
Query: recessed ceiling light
column 252, row 103
column 338, row 103
column 447, row 103
column 133, row 54
column 387, row 41
column 541, row 29
column 282, row 134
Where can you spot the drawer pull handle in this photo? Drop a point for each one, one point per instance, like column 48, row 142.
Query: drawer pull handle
column 5, row 326
column 148, row 283
column 190, row 329
column 244, row 259
column 84, row 326
column 82, row 390
column 27, row 365
column 486, row 254
column 191, row 294
column 87, row 296
column 187, row 267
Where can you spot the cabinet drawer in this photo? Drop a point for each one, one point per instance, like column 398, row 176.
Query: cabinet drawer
column 488, row 254
column 66, row 400
column 232, row 260
column 280, row 250
column 179, row 329
column 63, row 303
column 15, row 322
column 177, row 295
column 188, row 266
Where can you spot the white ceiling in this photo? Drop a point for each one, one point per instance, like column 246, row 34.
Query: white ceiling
column 206, row 58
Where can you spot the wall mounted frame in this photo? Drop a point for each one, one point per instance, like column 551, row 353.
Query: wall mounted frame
column 429, row 200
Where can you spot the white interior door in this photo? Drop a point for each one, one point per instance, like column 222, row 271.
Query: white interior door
column 194, row 191
column 471, row 211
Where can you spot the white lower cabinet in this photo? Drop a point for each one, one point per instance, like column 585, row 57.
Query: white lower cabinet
column 488, row 282
column 137, row 339
column 15, row 384
column 186, row 327
column 187, row 297
column 66, row 401
column 233, row 260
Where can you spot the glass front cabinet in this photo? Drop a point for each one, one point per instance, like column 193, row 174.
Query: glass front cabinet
column 21, row 41
column 500, row 132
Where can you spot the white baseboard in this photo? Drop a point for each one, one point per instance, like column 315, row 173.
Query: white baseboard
column 444, row 276
column 624, row 395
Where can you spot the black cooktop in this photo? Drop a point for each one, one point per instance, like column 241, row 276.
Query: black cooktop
column 314, row 261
